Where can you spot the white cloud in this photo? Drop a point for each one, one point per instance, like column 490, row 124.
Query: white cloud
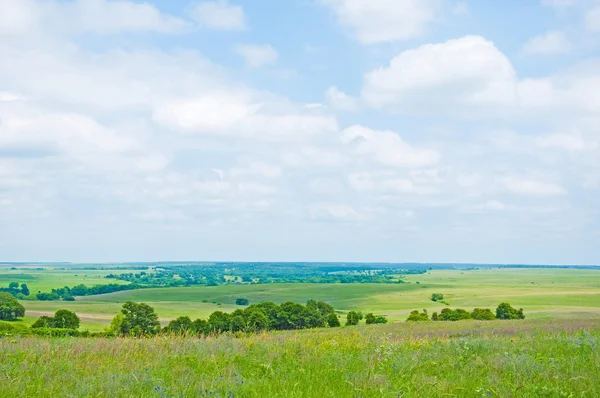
column 375, row 21
column 219, row 15
column 256, row 55
column 526, row 186
column 592, row 19
column 567, row 142
column 553, row 42
column 96, row 16
column 334, row 211
column 239, row 115
column 433, row 77
column 387, row 148
column 339, row 100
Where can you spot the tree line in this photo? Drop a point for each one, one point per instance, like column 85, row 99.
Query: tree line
column 503, row 311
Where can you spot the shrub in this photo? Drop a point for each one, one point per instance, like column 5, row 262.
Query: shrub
column 333, row 321
column 352, row 318
column 437, row 297
column 370, row 319
column 417, row 316
column 380, row 319
column 242, row 301
column 483, row 314
column 434, row 316
column 506, row 311
column 453, row 315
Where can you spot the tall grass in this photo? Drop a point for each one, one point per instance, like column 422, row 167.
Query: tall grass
column 463, row 359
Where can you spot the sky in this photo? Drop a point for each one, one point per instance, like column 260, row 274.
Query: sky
column 300, row 130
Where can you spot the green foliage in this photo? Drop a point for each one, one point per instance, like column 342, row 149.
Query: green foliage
column 10, row 308
column 352, row 318
column 416, row 316
column 437, row 297
column 453, row 315
column 483, row 314
column 370, row 319
column 434, row 317
column 182, row 325
column 506, row 311
column 14, row 290
column 241, row 301
column 62, row 319
column 380, row 319
column 333, row 321
column 139, row 320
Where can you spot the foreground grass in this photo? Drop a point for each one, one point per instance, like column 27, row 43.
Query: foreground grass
column 532, row 358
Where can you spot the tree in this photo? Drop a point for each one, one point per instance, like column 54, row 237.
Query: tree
column 380, row 319
column 139, row 319
column 43, row 322
column 434, row 316
column 115, row 324
column 10, row 308
column 241, row 301
column 352, row 318
column 13, row 285
column 333, row 321
column 181, row 325
column 219, row 322
column 437, row 297
column 370, row 319
column 65, row 319
column 483, row 314
column 238, row 323
column 416, row 316
column 506, row 311
column 25, row 290
column 257, row 320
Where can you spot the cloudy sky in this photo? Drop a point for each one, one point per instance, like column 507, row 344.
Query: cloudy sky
column 300, row 130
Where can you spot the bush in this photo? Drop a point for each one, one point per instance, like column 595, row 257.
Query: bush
column 453, row 315
column 483, row 314
column 333, row 321
column 506, row 311
column 57, row 332
column 417, row 316
column 352, row 318
column 437, row 297
column 370, row 319
column 242, row 301
column 380, row 319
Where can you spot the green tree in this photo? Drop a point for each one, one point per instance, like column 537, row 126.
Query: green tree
column 115, row 325
column 65, row 319
column 483, row 314
column 181, row 325
column 10, row 308
column 139, row 319
column 506, row 311
column 416, row 316
column 200, row 326
column 238, row 323
column 13, row 285
column 257, row 320
column 380, row 319
column 43, row 322
column 370, row 319
column 352, row 318
column 241, row 301
column 25, row 290
column 219, row 322
column 437, row 297
column 333, row 321
column 434, row 316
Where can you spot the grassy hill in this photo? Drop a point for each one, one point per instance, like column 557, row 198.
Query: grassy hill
column 531, row 358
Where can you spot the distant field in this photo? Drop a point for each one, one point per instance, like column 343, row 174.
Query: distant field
column 530, row 358
column 543, row 293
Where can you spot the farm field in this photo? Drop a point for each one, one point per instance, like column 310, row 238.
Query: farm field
column 530, row 358
column 542, row 293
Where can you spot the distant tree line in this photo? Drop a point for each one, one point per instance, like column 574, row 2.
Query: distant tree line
column 503, row 311
column 15, row 290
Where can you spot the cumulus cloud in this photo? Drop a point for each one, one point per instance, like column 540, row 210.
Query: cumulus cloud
column 387, row 148
column 340, row 100
column 376, row 21
column 219, row 15
column 553, row 42
column 469, row 71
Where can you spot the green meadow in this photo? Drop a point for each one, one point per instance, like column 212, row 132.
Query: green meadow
column 542, row 293
column 529, row 358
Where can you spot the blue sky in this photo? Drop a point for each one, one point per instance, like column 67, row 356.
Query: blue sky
column 300, row 130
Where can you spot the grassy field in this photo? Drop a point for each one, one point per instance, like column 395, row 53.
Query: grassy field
column 542, row 293
column 530, row 358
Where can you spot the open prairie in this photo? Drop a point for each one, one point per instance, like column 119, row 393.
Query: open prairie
column 542, row 293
